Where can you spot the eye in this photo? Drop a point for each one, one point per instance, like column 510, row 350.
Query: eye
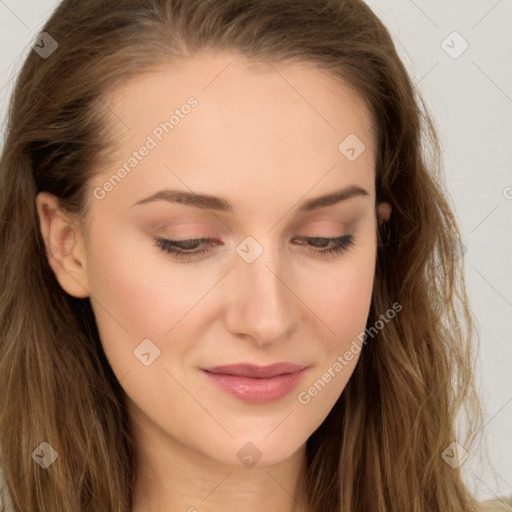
column 329, row 246
column 186, row 249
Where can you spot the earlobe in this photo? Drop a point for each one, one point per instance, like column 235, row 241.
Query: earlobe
column 64, row 247
column 384, row 212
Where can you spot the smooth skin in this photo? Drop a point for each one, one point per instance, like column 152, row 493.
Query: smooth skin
column 265, row 138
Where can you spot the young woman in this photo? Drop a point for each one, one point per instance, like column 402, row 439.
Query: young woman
column 230, row 275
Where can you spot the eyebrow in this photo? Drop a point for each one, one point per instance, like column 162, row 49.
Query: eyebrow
column 210, row 202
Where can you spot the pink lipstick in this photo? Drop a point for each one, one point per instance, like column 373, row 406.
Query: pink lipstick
column 257, row 384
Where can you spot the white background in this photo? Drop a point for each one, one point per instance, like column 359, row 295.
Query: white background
column 470, row 98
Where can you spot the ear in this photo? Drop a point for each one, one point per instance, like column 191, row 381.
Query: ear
column 384, row 212
column 64, row 245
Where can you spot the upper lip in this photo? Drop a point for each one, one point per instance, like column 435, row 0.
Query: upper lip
column 255, row 371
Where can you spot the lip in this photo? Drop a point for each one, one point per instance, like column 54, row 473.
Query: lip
column 257, row 384
column 255, row 371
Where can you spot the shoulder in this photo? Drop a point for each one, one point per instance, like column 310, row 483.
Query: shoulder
column 502, row 504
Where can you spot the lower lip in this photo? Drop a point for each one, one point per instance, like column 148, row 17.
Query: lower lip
column 257, row 391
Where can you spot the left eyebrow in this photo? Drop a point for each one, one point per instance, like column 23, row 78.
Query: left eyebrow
column 210, row 202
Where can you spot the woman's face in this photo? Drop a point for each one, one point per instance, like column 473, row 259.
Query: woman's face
column 265, row 140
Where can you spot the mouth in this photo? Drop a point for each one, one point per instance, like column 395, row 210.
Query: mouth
column 257, row 384
column 254, row 371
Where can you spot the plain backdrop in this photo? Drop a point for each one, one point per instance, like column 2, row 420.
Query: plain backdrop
column 458, row 53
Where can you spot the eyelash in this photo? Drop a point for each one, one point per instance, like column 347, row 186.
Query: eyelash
column 341, row 244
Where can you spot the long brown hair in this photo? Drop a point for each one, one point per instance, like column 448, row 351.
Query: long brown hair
column 381, row 446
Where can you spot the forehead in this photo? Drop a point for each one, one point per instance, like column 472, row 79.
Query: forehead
column 235, row 83
column 256, row 128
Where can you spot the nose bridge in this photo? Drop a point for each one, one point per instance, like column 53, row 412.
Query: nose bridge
column 262, row 305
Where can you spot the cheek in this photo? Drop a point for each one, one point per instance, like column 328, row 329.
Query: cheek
column 129, row 279
column 341, row 296
column 342, row 301
column 133, row 299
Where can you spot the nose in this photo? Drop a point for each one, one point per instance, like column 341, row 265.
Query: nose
column 262, row 305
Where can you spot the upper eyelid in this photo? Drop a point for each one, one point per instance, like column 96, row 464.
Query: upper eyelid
column 214, row 238
column 345, row 227
column 346, row 237
column 187, row 222
column 213, row 242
